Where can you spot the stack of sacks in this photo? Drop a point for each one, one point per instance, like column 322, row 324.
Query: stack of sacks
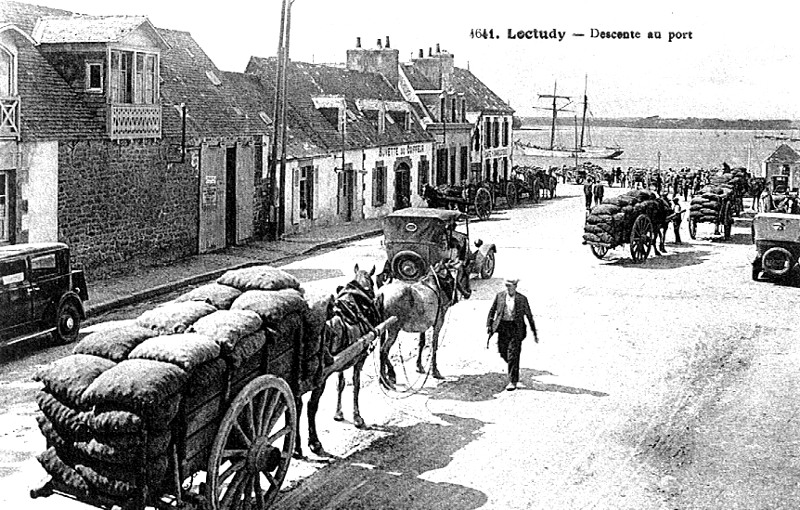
column 707, row 204
column 611, row 221
column 219, row 296
column 270, row 292
column 108, row 411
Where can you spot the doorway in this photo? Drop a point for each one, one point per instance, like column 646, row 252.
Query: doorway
column 347, row 184
column 230, row 196
column 402, row 187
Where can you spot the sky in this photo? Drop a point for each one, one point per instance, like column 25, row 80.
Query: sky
column 734, row 59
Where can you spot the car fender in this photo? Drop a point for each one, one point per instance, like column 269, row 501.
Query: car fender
column 76, row 299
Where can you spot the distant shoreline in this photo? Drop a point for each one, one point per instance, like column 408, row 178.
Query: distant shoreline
column 666, row 123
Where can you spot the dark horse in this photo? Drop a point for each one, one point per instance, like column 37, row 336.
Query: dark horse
column 419, row 306
column 353, row 313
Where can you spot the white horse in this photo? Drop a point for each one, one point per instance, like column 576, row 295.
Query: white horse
column 418, row 306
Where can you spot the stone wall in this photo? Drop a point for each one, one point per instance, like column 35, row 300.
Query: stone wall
column 122, row 203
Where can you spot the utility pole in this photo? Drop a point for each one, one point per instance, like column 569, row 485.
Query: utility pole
column 278, row 146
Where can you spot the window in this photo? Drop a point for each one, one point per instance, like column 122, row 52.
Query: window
column 441, row 166
column 12, row 272
column 463, row 110
column 464, row 162
column 5, row 222
column 476, row 138
column 785, row 170
column 442, row 112
column 487, row 134
column 505, row 132
column 453, row 167
column 423, row 174
column 496, row 134
column 505, row 169
column 307, row 192
column 43, row 266
column 94, row 76
column 494, row 170
column 133, row 77
column 7, row 81
column 488, row 170
column 453, row 111
column 379, row 185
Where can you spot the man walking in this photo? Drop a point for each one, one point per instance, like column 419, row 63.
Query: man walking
column 677, row 210
column 587, row 192
column 507, row 319
column 598, row 192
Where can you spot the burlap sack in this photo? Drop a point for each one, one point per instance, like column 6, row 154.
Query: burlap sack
column 271, row 306
column 227, row 327
column 605, row 209
column 114, row 343
column 220, row 296
column 70, row 423
column 111, row 422
column 119, row 482
column 171, row 318
column 125, row 449
column 247, row 347
column 206, row 380
column 62, row 472
column 186, row 350
column 68, row 377
column 259, row 278
column 136, row 385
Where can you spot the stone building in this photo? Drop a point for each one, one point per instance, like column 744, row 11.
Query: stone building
column 122, row 140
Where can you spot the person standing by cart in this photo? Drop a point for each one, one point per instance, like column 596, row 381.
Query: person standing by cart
column 507, row 319
column 587, row 192
column 677, row 211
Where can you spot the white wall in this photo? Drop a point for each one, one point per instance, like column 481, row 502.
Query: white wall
column 40, row 189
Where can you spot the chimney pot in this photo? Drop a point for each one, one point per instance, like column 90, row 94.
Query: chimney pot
column 421, row 53
column 358, row 42
column 430, row 51
column 387, row 42
column 379, row 44
column 437, row 48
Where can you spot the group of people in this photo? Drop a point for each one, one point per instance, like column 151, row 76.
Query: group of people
column 593, row 191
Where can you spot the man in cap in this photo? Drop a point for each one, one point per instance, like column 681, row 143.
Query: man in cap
column 507, row 319
column 677, row 211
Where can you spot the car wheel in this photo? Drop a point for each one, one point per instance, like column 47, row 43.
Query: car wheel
column 487, row 268
column 68, row 323
column 408, row 266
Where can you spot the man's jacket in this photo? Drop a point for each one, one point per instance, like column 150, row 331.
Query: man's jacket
column 521, row 310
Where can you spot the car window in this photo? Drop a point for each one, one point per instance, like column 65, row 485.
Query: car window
column 43, row 266
column 12, row 272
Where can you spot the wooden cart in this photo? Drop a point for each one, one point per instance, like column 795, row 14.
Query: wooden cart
column 468, row 198
column 241, row 432
column 724, row 218
column 640, row 239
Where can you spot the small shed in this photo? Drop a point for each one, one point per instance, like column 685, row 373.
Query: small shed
column 782, row 169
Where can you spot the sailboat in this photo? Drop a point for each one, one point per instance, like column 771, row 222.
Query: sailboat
column 582, row 149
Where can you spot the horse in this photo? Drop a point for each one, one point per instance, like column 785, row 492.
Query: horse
column 352, row 314
column 419, row 306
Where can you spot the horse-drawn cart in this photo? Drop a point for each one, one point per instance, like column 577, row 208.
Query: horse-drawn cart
column 718, row 202
column 465, row 198
column 631, row 218
column 221, row 439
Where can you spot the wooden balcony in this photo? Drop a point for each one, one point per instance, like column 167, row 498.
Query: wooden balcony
column 128, row 121
column 9, row 117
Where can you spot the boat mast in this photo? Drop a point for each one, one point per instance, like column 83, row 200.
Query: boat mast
column 555, row 98
column 585, row 107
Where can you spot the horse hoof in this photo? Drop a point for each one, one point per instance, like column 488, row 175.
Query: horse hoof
column 359, row 423
column 338, row 417
column 318, row 450
column 298, row 454
column 437, row 375
column 420, row 370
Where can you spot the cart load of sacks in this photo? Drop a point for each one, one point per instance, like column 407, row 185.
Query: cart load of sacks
column 707, row 204
column 111, row 410
column 611, row 222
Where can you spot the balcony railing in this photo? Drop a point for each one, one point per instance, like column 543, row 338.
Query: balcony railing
column 134, row 121
column 9, row 117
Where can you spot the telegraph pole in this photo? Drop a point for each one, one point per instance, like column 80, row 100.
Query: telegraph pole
column 277, row 179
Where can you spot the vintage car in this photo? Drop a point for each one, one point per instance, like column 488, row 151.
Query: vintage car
column 777, row 240
column 40, row 293
column 417, row 238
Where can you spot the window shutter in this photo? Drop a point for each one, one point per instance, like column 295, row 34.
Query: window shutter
column 340, row 190
column 375, row 176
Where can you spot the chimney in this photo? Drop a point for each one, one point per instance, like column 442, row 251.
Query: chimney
column 437, row 48
column 430, row 51
column 387, row 42
column 421, row 53
column 358, row 42
column 379, row 44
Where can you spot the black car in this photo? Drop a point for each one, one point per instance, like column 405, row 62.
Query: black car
column 40, row 293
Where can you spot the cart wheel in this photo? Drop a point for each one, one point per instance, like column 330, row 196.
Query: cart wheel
column 598, row 251
column 483, row 203
column 727, row 215
column 253, row 446
column 487, row 268
column 641, row 238
column 511, row 194
column 692, row 228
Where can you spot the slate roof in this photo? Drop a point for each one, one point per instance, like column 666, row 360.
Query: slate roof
column 87, row 29
column 418, row 80
column 50, row 108
column 212, row 110
column 784, row 154
column 309, row 132
column 479, row 97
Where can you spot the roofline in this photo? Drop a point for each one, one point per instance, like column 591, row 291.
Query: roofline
column 14, row 28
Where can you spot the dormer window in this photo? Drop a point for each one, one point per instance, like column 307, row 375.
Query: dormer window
column 134, row 77
column 7, row 81
column 94, row 76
